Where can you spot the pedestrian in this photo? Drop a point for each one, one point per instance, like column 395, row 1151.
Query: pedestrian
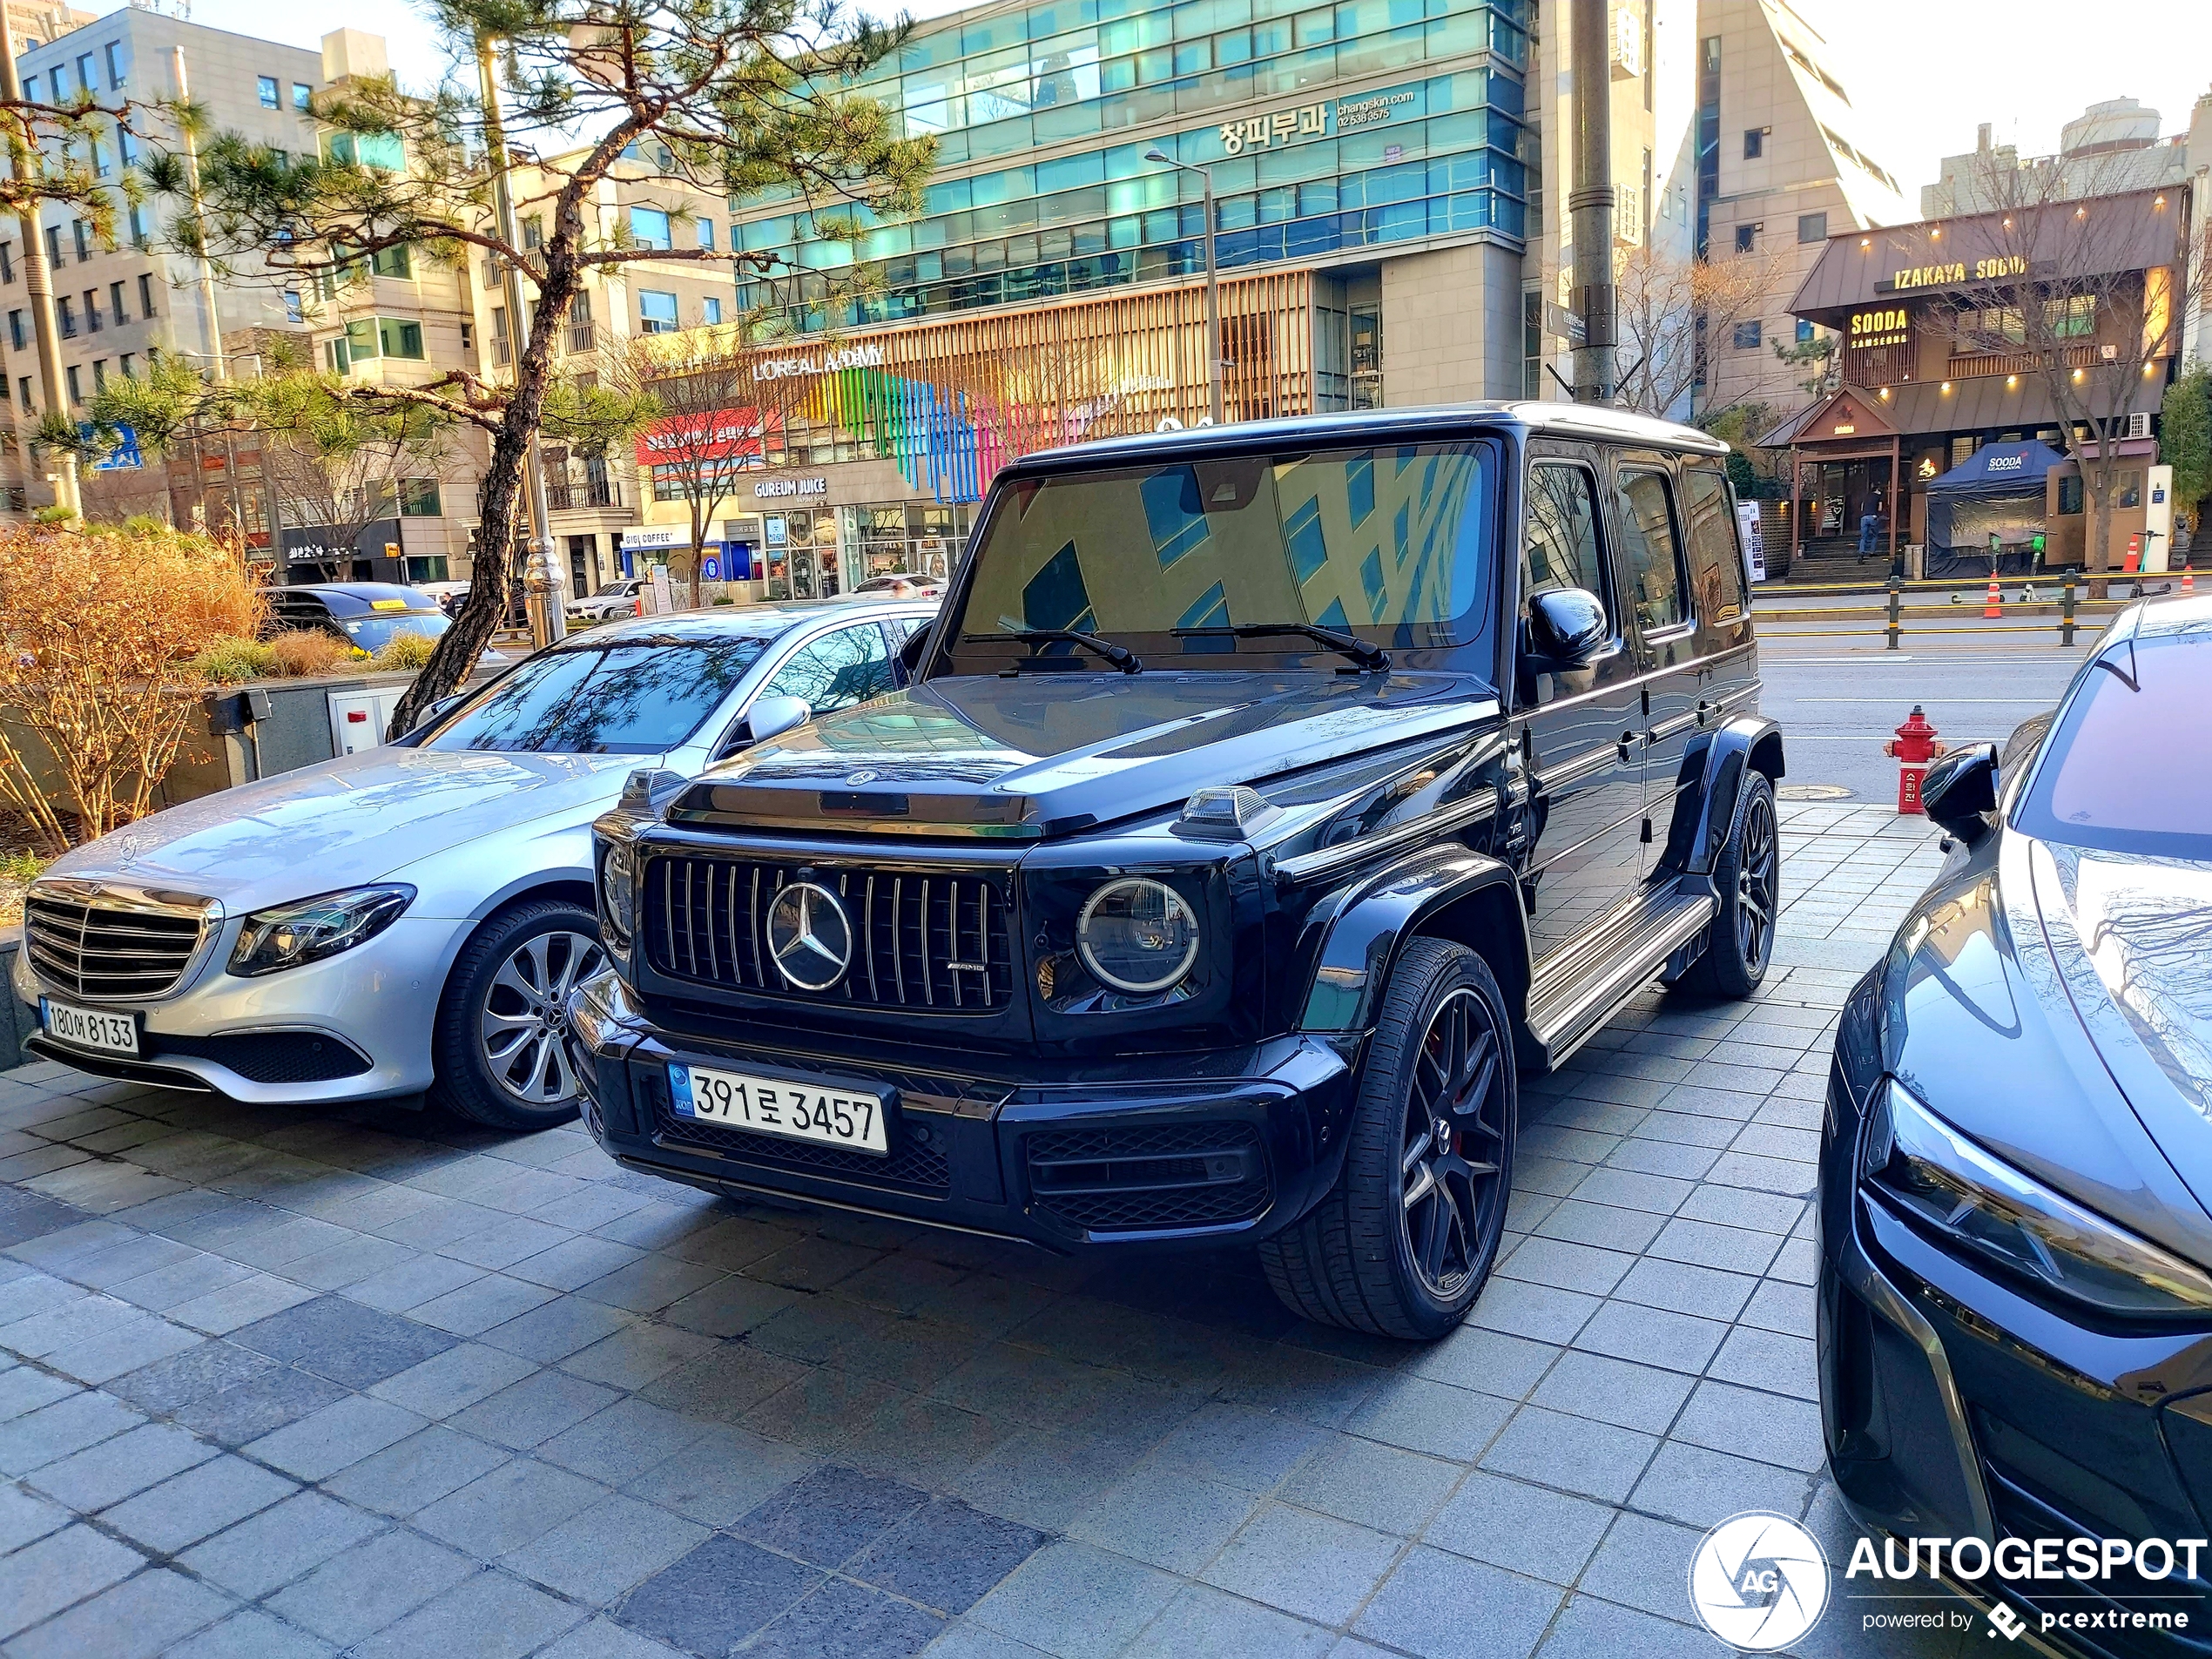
column 1869, row 523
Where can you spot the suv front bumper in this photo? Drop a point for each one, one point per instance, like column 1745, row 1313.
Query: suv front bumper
column 1130, row 1152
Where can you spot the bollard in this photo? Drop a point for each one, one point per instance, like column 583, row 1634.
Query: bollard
column 2065, row 612
column 1897, row 610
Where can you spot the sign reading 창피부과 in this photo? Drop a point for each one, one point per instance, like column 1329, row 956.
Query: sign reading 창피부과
column 1304, row 121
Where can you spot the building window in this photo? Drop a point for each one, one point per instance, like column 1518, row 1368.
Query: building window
column 125, row 363
column 15, row 330
column 66, row 317
column 1813, row 227
column 138, row 237
column 391, row 261
column 83, row 234
column 710, row 310
column 395, row 337
column 269, row 100
column 91, row 311
column 533, row 232
column 54, row 247
column 292, row 310
column 468, row 335
column 115, row 75
column 1804, row 332
column 22, row 390
column 706, row 234
column 419, row 498
column 1754, row 143
column 88, row 76
column 1532, row 342
column 656, row 312
column 76, row 390
column 302, row 96
column 99, row 373
column 7, row 261
column 126, row 146
column 145, row 294
column 649, row 227
column 1747, row 237
column 2072, row 318
column 1749, row 335
column 336, row 357
column 100, row 167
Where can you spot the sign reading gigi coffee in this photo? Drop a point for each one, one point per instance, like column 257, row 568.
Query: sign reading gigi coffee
column 1946, row 276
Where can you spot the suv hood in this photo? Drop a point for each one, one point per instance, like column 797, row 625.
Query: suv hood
column 344, row 822
column 1028, row 757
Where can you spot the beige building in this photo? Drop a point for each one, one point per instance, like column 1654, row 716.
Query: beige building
column 1783, row 162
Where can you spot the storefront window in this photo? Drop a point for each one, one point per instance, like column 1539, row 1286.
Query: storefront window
column 2130, row 492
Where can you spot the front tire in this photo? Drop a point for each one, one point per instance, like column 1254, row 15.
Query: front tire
column 500, row 1046
column 1404, row 1243
column 1748, row 877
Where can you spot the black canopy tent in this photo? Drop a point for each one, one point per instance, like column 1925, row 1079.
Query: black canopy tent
column 1997, row 491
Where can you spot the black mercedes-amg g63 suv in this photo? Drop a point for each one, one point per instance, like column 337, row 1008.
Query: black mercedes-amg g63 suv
column 1264, row 802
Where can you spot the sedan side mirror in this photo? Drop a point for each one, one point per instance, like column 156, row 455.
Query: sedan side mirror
column 1568, row 626
column 1960, row 790
column 771, row 717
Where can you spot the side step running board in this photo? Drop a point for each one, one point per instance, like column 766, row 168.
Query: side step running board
column 1565, row 1023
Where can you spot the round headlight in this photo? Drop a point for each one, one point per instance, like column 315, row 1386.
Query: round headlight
column 618, row 893
column 1137, row 935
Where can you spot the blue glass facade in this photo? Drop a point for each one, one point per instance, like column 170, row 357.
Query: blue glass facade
column 1310, row 156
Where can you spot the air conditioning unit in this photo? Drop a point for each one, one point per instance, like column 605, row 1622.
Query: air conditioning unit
column 2139, row 425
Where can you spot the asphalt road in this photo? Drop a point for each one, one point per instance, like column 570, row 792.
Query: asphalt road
column 1839, row 698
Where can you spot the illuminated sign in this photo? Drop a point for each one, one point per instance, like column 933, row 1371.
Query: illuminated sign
column 828, row 362
column 769, row 488
column 1943, row 276
column 1885, row 327
column 1263, row 132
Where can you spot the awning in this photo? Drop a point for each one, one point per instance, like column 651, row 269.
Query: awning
column 1996, row 470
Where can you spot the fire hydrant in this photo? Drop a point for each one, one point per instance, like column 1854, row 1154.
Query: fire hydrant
column 1915, row 747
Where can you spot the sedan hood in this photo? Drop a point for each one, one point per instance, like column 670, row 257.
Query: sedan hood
column 343, row 822
column 1050, row 754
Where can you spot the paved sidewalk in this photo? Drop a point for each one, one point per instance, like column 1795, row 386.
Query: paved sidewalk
column 282, row 1383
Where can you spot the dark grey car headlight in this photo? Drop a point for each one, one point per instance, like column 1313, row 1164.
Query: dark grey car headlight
column 1983, row 1207
column 619, row 894
column 1137, row 935
column 290, row 935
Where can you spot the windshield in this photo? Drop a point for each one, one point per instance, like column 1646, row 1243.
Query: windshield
column 376, row 632
column 2129, row 767
column 643, row 696
column 1390, row 544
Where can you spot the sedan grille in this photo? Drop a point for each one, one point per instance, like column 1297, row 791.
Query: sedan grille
column 936, row 941
column 109, row 952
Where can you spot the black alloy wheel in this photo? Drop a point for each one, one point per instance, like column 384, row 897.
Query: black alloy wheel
column 1746, row 878
column 1403, row 1243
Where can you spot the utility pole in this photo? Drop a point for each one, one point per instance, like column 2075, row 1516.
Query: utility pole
column 1590, row 203
column 217, row 364
column 541, row 584
column 66, row 493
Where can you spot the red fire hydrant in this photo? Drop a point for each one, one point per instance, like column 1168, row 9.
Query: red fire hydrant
column 1915, row 747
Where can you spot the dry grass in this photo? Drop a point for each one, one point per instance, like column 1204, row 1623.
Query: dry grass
column 300, row 653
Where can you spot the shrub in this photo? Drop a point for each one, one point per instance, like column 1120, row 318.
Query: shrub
column 21, row 865
column 98, row 631
column 301, row 653
column 228, row 661
column 406, row 652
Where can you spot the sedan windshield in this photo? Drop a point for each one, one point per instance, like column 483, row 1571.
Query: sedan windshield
column 1393, row 545
column 2129, row 767
column 375, row 631
column 639, row 696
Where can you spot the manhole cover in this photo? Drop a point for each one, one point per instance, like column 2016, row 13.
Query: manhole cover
column 1813, row 792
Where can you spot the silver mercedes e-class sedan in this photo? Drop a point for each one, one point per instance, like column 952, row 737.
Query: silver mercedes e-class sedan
column 411, row 918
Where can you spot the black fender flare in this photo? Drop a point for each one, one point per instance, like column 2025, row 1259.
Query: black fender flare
column 1353, row 937
column 1748, row 742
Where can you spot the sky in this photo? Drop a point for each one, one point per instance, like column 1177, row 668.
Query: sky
column 1924, row 73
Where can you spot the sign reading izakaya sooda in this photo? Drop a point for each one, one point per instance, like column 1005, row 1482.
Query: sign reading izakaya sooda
column 726, row 434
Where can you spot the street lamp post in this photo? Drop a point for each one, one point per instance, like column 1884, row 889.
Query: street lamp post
column 1213, row 285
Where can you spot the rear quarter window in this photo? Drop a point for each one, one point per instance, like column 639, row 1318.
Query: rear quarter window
column 1716, row 559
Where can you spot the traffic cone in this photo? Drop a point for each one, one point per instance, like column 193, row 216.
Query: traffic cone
column 2189, row 582
column 1994, row 604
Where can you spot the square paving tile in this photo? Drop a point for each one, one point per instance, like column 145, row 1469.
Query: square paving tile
column 946, row 1556
column 338, row 1338
column 712, row 1599
column 849, row 1620
column 1510, row 1523
column 1073, row 1601
column 1440, row 1607
column 828, row 1516
column 1314, row 1566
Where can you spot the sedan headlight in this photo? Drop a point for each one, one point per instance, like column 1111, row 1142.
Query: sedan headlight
column 1985, row 1208
column 1137, row 935
column 618, row 895
column 294, row 934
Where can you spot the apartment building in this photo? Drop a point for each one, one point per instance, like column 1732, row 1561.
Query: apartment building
column 1784, row 162
column 116, row 307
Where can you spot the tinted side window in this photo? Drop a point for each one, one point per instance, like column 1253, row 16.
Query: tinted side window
column 1649, row 567
column 1561, row 550
column 837, row 671
column 1716, row 564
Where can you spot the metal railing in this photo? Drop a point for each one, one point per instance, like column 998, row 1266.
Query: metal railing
column 584, row 336
column 502, row 350
column 2063, row 604
column 573, row 494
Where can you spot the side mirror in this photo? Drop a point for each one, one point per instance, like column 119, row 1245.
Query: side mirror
column 1960, row 790
column 1568, row 626
column 771, row 717
column 917, row 646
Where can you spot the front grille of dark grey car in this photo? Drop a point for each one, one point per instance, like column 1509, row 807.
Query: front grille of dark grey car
column 920, row 1164
column 106, row 952
column 940, row 942
column 1148, row 1177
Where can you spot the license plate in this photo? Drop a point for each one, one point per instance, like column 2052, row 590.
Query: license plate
column 851, row 1118
column 89, row 1028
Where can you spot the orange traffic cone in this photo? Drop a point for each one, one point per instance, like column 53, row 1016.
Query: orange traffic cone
column 2189, row 581
column 1994, row 604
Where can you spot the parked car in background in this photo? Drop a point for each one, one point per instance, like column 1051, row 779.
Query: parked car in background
column 366, row 615
column 448, row 594
column 1268, row 799
column 617, row 598
column 411, row 917
column 2015, row 1281
column 900, row 584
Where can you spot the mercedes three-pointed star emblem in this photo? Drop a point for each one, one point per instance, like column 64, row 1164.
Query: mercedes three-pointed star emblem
column 810, row 937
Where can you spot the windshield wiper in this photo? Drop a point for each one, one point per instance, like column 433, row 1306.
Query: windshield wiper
column 1372, row 657
column 1121, row 656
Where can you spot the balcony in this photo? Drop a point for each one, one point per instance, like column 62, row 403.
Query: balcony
column 582, row 494
column 1968, row 365
column 502, row 351
column 584, row 336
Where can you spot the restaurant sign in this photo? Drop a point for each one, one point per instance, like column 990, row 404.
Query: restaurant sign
column 1888, row 326
column 770, row 489
column 1959, row 271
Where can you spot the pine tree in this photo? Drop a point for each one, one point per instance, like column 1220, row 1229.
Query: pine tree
column 729, row 96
